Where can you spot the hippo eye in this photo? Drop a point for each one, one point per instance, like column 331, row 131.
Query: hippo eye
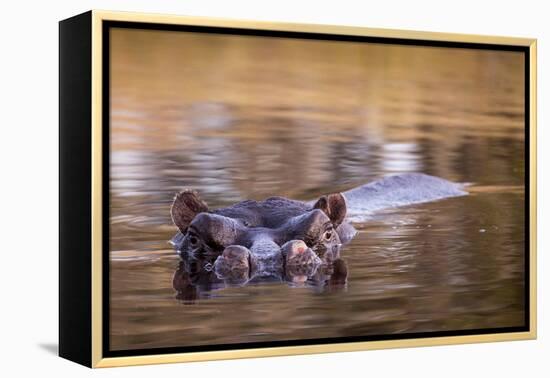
column 327, row 235
column 193, row 240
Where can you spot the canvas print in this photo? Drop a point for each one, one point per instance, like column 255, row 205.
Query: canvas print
column 267, row 190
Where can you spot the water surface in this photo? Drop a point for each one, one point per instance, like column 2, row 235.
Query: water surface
column 247, row 118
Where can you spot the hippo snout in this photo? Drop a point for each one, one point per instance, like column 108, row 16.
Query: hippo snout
column 297, row 253
column 242, row 262
column 234, row 260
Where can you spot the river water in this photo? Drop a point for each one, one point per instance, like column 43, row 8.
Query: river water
column 249, row 117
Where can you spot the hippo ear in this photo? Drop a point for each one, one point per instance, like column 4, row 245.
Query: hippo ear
column 185, row 207
column 334, row 206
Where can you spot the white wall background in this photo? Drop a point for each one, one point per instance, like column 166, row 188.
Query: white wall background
column 28, row 207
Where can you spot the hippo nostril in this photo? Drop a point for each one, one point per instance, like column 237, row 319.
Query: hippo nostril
column 297, row 251
column 298, row 247
column 235, row 252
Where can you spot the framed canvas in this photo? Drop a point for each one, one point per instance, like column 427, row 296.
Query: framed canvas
column 235, row 189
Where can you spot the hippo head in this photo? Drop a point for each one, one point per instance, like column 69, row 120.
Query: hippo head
column 274, row 231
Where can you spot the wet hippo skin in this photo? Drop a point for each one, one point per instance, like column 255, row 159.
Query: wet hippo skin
column 254, row 237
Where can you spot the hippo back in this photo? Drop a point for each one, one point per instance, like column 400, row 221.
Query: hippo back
column 399, row 190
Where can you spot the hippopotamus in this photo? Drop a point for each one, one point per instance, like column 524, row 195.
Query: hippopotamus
column 263, row 236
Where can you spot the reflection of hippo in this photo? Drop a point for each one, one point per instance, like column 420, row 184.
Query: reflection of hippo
column 265, row 235
column 195, row 278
